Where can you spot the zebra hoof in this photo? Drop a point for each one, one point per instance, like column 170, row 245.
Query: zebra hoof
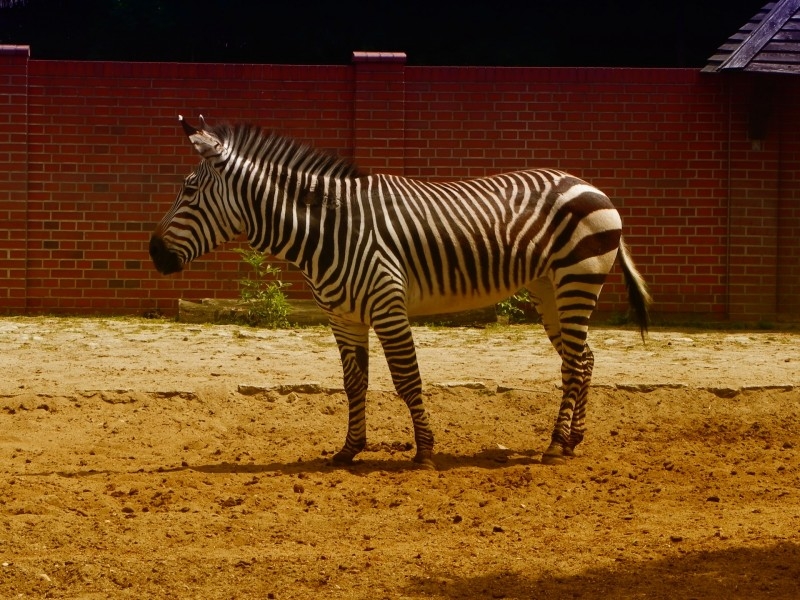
column 552, row 460
column 556, row 454
column 343, row 458
column 424, row 460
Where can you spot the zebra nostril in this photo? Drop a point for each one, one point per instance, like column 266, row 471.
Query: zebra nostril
column 164, row 259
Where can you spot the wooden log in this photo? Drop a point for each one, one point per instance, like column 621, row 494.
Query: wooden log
column 209, row 310
column 306, row 313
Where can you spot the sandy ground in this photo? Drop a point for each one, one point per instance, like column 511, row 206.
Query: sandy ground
column 150, row 459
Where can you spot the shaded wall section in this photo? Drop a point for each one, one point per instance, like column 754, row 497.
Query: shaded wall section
column 704, row 175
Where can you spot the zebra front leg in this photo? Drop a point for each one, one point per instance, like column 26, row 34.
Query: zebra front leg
column 353, row 342
column 395, row 336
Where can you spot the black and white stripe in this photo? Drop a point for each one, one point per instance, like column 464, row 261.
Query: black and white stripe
column 377, row 249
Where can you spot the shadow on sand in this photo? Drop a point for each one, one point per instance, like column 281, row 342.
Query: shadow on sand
column 752, row 573
column 486, row 459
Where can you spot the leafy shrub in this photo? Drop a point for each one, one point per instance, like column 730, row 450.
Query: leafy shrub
column 518, row 308
column 267, row 305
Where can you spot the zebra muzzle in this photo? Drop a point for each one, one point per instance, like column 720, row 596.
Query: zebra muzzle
column 164, row 259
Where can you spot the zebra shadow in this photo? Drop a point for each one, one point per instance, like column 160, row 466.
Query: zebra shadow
column 485, row 459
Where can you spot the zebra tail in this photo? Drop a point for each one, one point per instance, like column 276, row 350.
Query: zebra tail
column 638, row 295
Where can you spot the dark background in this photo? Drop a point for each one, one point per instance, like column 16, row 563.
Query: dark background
column 647, row 33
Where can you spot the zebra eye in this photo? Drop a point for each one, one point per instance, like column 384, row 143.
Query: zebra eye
column 190, row 184
column 190, row 192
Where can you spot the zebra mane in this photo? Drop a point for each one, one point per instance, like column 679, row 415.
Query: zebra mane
column 285, row 150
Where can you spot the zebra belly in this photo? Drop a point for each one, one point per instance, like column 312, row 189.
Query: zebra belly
column 434, row 305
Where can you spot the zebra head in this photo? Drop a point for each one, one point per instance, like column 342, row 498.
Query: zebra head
column 203, row 215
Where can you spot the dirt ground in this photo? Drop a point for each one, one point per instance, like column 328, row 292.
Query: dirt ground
column 150, row 459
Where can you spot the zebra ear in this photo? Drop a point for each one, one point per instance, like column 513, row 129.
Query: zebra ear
column 205, row 142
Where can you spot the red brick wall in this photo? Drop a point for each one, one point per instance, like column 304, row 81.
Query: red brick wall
column 96, row 156
column 107, row 156
column 13, row 175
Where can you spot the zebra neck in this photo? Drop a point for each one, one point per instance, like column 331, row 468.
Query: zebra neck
column 298, row 223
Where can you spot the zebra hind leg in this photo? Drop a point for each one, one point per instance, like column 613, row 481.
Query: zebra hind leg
column 565, row 317
column 578, row 427
column 353, row 342
column 562, row 445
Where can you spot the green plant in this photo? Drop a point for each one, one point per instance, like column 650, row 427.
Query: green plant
column 267, row 305
column 618, row 319
column 514, row 307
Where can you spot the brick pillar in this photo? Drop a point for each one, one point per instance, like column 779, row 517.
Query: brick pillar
column 379, row 145
column 754, row 192
column 789, row 203
column 13, row 176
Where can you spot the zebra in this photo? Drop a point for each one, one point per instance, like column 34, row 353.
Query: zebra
column 377, row 249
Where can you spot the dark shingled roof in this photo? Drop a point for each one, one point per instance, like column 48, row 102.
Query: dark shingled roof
column 768, row 43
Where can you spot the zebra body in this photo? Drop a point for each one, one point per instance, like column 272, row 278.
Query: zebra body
column 377, row 249
column 421, row 236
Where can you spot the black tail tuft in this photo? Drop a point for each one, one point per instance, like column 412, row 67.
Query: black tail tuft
column 638, row 296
